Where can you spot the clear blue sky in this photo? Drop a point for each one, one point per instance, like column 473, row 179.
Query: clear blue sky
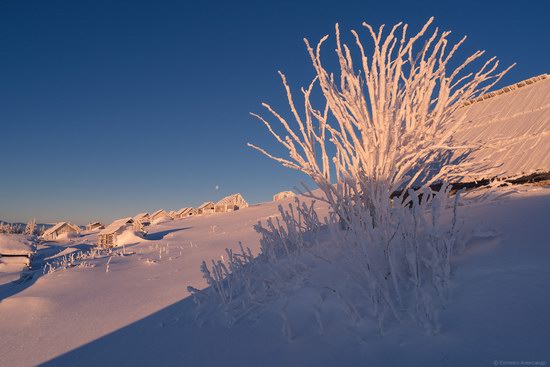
column 109, row 108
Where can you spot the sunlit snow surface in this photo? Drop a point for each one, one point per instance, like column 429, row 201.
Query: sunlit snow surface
column 137, row 311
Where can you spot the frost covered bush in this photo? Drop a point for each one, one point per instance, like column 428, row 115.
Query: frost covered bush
column 374, row 148
column 387, row 127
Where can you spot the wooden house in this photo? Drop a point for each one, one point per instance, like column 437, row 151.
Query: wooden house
column 230, row 203
column 59, row 230
column 94, row 226
column 283, row 195
column 16, row 249
column 108, row 237
column 206, row 208
column 185, row 212
column 160, row 215
column 143, row 218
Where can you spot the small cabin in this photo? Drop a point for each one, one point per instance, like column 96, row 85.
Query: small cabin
column 230, row 203
column 185, row 212
column 16, row 249
column 160, row 215
column 206, row 208
column 94, row 226
column 61, row 229
column 108, row 237
column 283, row 195
column 143, row 218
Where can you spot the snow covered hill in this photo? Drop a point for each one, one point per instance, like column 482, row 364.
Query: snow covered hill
column 134, row 309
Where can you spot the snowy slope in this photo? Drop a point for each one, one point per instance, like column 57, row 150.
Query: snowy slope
column 58, row 312
column 136, row 311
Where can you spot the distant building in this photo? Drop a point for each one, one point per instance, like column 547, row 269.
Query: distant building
column 206, row 208
column 230, row 203
column 108, row 237
column 94, row 225
column 60, row 229
column 143, row 218
column 186, row 212
column 172, row 214
column 160, row 215
column 283, row 195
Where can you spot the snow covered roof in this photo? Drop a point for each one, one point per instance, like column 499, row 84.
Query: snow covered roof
column 509, row 88
column 206, row 205
column 518, row 116
column 184, row 210
column 159, row 212
column 116, row 225
column 236, row 199
column 15, row 245
column 58, row 226
column 141, row 216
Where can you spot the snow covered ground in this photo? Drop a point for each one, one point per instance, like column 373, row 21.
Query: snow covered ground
column 134, row 309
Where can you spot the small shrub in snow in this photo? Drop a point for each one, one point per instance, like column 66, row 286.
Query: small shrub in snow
column 76, row 259
column 242, row 282
column 281, row 240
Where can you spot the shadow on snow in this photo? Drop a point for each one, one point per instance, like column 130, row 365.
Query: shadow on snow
column 161, row 234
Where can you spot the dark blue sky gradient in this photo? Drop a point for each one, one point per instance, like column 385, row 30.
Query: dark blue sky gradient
column 108, row 108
